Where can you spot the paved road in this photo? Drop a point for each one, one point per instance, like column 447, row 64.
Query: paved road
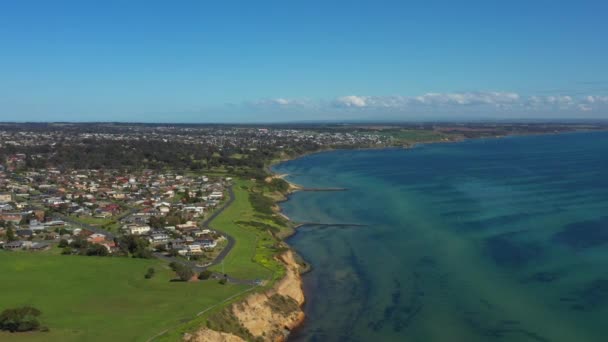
column 220, row 257
column 207, row 223
column 94, row 229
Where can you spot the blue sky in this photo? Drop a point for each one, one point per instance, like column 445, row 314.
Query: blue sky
column 228, row 61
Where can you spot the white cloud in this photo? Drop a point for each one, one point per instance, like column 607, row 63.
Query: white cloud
column 280, row 102
column 585, row 107
column 469, row 98
column 352, row 101
column 482, row 102
column 430, row 99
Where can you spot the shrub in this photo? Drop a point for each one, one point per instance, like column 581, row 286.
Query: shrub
column 206, row 274
column 20, row 319
column 150, row 273
column 183, row 272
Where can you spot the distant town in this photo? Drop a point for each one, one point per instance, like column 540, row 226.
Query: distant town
column 85, row 187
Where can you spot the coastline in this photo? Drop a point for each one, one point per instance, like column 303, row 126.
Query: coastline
column 256, row 309
column 294, row 187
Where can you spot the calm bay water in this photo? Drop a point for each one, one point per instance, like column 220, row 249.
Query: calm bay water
column 485, row 240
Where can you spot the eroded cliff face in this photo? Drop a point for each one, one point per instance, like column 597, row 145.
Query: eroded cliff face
column 267, row 316
column 208, row 335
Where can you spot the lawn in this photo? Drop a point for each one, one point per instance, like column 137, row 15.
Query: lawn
column 108, row 298
column 252, row 254
column 94, row 221
column 101, row 298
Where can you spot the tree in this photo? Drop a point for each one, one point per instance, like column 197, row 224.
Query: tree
column 206, row 274
column 97, row 250
column 20, row 319
column 10, row 234
column 136, row 246
column 150, row 273
column 63, row 243
column 183, row 272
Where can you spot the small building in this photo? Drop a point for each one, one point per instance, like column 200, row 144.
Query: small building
column 24, row 233
column 14, row 245
column 137, row 229
column 96, row 238
column 194, row 248
column 40, row 246
column 6, row 197
column 208, row 243
column 158, row 238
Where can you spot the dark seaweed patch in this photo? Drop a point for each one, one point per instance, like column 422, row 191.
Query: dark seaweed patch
column 584, row 234
column 508, row 252
column 401, row 312
column 543, row 277
column 427, row 261
column 591, row 296
column 501, row 220
column 501, row 329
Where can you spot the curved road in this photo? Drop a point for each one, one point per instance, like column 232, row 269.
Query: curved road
column 220, row 257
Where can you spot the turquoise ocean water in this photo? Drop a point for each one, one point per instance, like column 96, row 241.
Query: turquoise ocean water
column 484, row 240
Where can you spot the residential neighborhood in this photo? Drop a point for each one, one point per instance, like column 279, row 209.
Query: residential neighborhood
column 50, row 207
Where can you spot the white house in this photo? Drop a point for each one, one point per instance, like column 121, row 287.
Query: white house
column 137, row 229
column 194, row 248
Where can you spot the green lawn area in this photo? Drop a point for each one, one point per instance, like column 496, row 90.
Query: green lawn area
column 252, row 254
column 108, row 298
column 101, row 298
column 95, row 221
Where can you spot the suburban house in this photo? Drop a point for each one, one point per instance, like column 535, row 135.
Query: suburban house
column 208, row 243
column 18, row 245
column 194, row 249
column 6, row 197
column 11, row 217
column 13, row 246
column 158, row 238
column 190, row 225
column 96, row 238
column 216, row 195
column 135, row 229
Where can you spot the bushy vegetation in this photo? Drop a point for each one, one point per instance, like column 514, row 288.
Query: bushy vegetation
column 225, row 321
column 278, row 184
column 135, row 246
column 261, row 203
column 259, row 225
column 21, row 319
column 284, row 305
column 83, row 247
column 184, row 272
column 150, row 273
column 206, row 274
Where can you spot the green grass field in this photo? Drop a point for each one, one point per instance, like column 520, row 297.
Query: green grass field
column 101, row 299
column 252, row 254
column 91, row 220
column 252, row 257
column 108, row 298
